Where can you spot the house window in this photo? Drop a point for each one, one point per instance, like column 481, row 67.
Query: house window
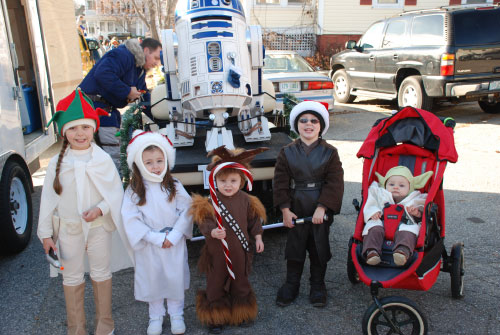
column 110, row 26
column 267, row 2
column 388, row 3
column 90, row 5
column 102, row 26
column 299, row 2
column 283, row 3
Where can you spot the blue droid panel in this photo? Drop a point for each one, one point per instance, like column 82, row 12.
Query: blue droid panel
column 214, row 56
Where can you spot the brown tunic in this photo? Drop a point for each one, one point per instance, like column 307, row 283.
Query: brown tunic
column 218, row 281
column 318, row 163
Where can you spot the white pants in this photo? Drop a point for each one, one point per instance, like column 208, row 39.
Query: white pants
column 72, row 249
column 157, row 307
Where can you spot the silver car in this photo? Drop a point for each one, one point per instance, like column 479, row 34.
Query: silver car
column 290, row 73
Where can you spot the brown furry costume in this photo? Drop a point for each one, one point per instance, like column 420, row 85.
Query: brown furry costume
column 226, row 301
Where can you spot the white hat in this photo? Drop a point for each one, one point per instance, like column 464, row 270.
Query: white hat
column 88, row 122
column 312, row 107
column 140, row 141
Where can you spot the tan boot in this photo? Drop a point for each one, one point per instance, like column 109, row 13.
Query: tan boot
column 102, row 297
column 75, row 312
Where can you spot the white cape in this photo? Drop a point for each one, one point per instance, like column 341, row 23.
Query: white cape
column 101, row 170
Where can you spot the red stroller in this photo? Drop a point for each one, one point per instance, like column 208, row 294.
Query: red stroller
column 422, row 142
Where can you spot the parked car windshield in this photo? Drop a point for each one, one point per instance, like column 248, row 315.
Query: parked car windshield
column 477, row 27
column 286, row 63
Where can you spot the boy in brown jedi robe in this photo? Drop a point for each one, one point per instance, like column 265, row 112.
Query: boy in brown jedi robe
column 308, row 181
column 228, row 298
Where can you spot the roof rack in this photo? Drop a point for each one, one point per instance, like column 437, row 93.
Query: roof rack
column 448, row 8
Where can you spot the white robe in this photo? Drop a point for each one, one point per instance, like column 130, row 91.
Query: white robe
column 98, row 173
column 378, row 197
column 159, row 273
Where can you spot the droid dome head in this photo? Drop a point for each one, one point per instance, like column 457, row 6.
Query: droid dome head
column 202, row 7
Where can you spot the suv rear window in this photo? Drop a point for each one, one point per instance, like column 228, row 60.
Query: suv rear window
column 476, row 27
column 427, row 30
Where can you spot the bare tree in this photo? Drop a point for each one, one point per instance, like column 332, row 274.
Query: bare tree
column 156, row 14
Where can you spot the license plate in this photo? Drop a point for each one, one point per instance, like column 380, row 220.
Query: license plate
column 291, row 86
column 495, row 85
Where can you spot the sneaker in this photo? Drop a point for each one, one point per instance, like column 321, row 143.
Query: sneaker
column 155, row 325
column 400, row 257
column 372, row 258
column 177, row 325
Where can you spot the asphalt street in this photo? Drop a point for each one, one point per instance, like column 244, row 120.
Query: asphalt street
column 33, row 303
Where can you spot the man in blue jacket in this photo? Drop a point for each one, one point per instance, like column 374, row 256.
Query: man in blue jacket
column 115, row 81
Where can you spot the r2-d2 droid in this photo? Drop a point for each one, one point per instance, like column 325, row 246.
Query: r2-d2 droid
column 213, row 69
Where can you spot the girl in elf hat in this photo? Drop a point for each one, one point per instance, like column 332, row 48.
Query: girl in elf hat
column 155, row 215
column 231, row 221
column 397, row 187
column 308, row 182
column 79, row 211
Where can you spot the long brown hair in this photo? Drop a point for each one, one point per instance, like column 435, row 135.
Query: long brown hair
column 57, row 184
column 137, row 184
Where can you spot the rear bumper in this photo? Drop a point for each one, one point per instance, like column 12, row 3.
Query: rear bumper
column 315, row 95
column 471, row 89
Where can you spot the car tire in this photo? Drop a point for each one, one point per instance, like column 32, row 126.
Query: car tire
column 342, row 87
column 15, row 209
column 412, row 93
column 489, row 107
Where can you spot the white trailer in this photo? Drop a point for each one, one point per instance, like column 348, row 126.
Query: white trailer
column 39, row 64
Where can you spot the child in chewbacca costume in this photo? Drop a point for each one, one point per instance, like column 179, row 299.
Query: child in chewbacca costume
column 231, row 221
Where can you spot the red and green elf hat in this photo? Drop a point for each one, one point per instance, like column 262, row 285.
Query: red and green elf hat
column 74, row 107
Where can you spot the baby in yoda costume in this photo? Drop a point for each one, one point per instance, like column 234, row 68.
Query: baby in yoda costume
column 397, row 187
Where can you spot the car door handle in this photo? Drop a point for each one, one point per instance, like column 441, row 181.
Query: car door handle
column 371, row 58
column 395, row 57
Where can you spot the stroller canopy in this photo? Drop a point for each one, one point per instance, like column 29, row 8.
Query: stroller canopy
column 415, row 126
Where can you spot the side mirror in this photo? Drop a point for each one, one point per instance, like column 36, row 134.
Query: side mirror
column 350, row 44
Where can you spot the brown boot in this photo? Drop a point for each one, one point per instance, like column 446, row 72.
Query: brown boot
column 75, row 312
column 102, row 298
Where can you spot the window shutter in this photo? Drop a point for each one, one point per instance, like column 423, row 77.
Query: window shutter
column 365, row 2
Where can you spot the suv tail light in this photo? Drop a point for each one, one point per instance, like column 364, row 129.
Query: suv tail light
column 316, row 85
column 447, row 64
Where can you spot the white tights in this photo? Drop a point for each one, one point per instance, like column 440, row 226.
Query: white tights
column 157, row 307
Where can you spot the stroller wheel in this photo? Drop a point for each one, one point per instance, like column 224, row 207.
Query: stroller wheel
column 352, row 274
column 405, row 316
column 457, row 270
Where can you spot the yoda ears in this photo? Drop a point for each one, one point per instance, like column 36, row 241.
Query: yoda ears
column 421, row 180
column 415, row 182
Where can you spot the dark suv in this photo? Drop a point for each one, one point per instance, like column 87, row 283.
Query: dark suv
column 450, row 53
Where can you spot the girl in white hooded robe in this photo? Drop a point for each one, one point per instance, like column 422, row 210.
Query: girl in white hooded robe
column 157, row 224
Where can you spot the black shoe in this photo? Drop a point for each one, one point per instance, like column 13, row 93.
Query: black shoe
column 215, row 329
column 317, row 296
column 287, row 294
column 246, row 324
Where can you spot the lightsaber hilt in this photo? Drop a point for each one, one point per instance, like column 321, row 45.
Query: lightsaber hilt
column 307, row 220
column 53, row 259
